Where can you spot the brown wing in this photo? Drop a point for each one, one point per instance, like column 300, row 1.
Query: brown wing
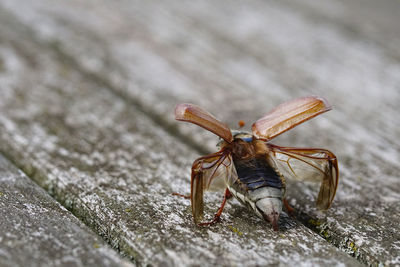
column 208, row 172
column 197, row 115
column 309, row 164
column 289, row 114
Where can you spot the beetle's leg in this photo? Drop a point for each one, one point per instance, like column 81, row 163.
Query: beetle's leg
column 217, row 215
column 203, row 172
column 181, row 195
column 289, row 209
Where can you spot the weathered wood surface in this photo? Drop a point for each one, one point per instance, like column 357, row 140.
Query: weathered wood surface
column 115, row 169
column 37, row 231
column 89, row 89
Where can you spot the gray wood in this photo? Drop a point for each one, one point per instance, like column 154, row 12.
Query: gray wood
column 115, row 169
column 237, row 60
column 375, row 21
column 37, row 231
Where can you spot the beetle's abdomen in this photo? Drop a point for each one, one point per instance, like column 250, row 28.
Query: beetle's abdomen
column 256, row 173
column 259, row 187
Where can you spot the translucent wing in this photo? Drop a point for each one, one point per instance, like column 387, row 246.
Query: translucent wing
column 208, row 172
column 289, row 114
column 197, row 115
column 309, row 164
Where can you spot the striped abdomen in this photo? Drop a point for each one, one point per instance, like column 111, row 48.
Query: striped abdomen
column 259, row 187
column 256, row 173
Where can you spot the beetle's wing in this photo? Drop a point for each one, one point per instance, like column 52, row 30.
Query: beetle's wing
column 289, row 114
column 208, row 172
column 197, row 115
column 309, row 164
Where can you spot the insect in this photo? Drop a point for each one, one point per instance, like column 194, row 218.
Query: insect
column 252, row 169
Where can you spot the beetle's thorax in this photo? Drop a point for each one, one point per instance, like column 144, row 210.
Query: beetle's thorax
column 242, row 150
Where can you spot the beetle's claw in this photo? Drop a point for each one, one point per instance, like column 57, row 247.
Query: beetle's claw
column 181, row 195
column 215, row 220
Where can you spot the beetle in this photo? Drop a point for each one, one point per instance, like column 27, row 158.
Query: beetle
column 254, row 170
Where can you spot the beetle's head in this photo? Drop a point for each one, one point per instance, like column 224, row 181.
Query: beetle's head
column 237, row 134
column 243, row 135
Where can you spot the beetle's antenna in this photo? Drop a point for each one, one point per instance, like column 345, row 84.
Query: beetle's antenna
column 241, row 123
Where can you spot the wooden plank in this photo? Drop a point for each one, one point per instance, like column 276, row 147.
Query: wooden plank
column 37, row 231
column 370, row 20
column 253, row 56
column 116, row 169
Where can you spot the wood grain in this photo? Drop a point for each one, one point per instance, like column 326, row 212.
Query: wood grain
column 83, row 77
